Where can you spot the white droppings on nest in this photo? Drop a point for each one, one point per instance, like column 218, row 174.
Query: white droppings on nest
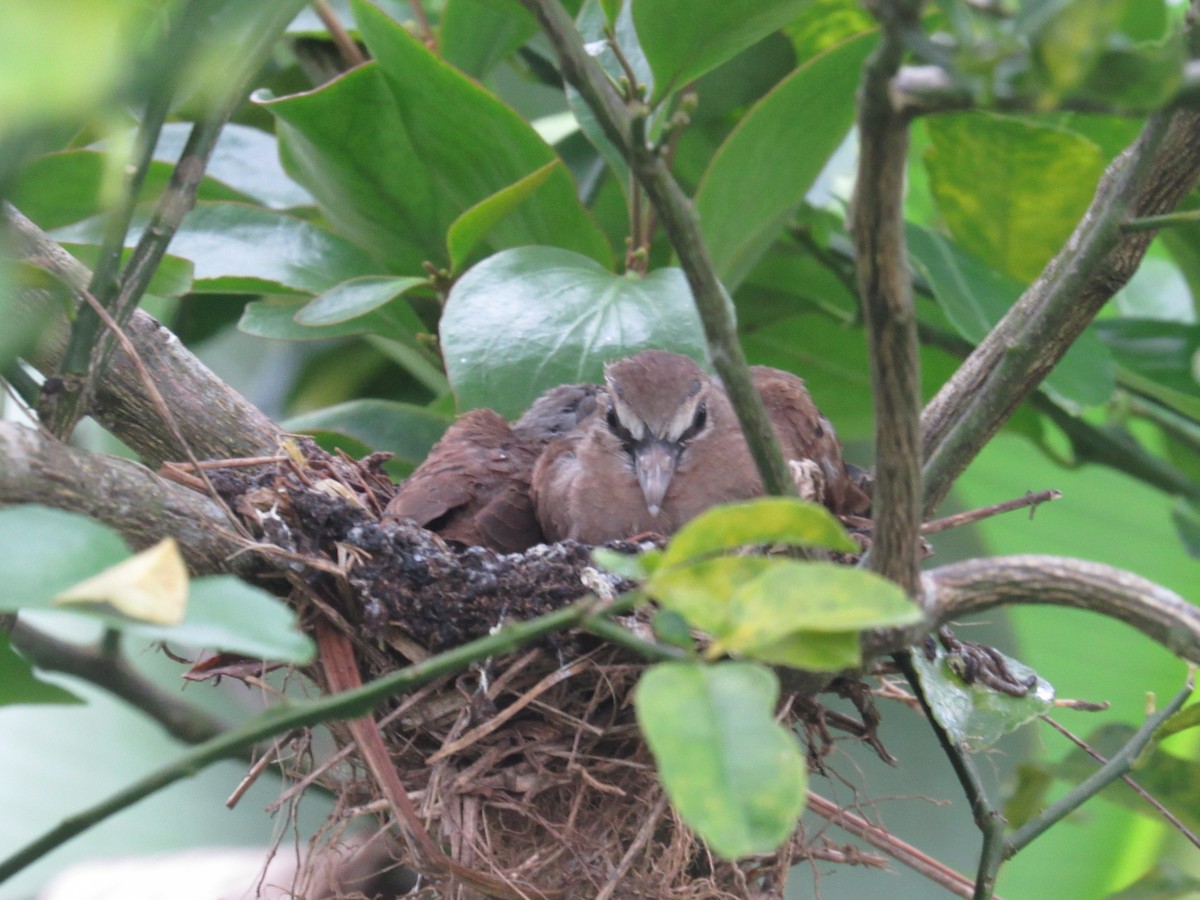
column 599, row 583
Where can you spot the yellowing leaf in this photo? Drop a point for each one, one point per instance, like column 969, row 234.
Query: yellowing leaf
column 151, row 586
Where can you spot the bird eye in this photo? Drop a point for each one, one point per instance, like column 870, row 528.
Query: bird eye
column 614, row 424
column 699, row 420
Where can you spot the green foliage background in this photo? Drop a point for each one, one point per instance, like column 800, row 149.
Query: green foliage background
column 456, row 200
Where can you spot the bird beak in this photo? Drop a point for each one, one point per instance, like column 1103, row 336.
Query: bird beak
column 655, row 462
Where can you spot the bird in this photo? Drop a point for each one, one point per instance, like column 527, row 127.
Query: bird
column 474, row 486
column 664, row 444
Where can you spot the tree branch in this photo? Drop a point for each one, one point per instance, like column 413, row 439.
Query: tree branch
column 217, row 422
column 877, row 217
column 1148, row 178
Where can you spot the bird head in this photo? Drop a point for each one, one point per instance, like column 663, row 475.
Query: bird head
column 657, row 404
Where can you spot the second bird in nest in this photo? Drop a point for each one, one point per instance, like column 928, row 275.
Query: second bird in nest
column 653, row 447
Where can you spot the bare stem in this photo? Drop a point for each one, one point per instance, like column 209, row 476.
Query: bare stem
column 877, row 216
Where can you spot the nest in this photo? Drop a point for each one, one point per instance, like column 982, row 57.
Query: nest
column 530, row 768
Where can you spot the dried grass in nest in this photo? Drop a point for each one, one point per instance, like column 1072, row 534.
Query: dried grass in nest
column 530, row 767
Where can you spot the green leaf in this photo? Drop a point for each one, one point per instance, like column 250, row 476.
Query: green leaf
column 242, row 249
column 763, row 170
column 1186, row 718
column 225, row 613
column 767, row 520
column 975, row 297
column 703, row 592
column 60, row 188
column 43, row 551
column 18, row 684
column 735, row 774
column 477, row 222
column 355, row 298
column 974, row 715
column 809, row 651
column 400, row 428
column 808, row 615
column 1009, row 190
column 1161, row 359
column 683, row 39
column 477, row 34
column 394, row 151
column 275, row 317
column 527, row 319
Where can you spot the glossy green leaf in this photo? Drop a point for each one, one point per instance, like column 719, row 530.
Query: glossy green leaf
column 703, row 592
column 225, row 613
column 975, row 297
column 400, row 428
column 683, row 39
column 527, row 319
column 275, row 317
column 974, row 715
column 477, row 34
column 1009, row 190
column 355, row 298
column 1159, row 358
column 43, row 551
column 394, row 151
column 763, row 170
column 1186, row 718
column 239, row 248
column 767, row 520
column 477, row 222
column 18, row 684
column 735, row 774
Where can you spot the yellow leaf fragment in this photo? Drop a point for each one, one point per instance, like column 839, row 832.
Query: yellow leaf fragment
column 151, row 586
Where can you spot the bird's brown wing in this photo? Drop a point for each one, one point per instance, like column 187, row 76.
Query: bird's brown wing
column 805, row 434
column 474, row 486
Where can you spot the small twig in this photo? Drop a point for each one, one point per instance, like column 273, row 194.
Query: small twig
column 424, row 29
column 1190, row 835
column 639, row 843
column 988, row 819
column 346, row 45
column 253, row 773
column 1169, row 220
column 1120, row 764
column 617, row 634
column 114, row 674
column 975, row 515
column 888, row 843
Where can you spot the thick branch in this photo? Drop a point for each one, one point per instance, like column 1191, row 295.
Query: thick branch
column 974, row 586
column 216, row 421
column 123, row 494
column 1149, row 178
column 678, row 216
column 885, row 287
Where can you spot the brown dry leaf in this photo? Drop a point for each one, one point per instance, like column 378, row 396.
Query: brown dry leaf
column 151, row 586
